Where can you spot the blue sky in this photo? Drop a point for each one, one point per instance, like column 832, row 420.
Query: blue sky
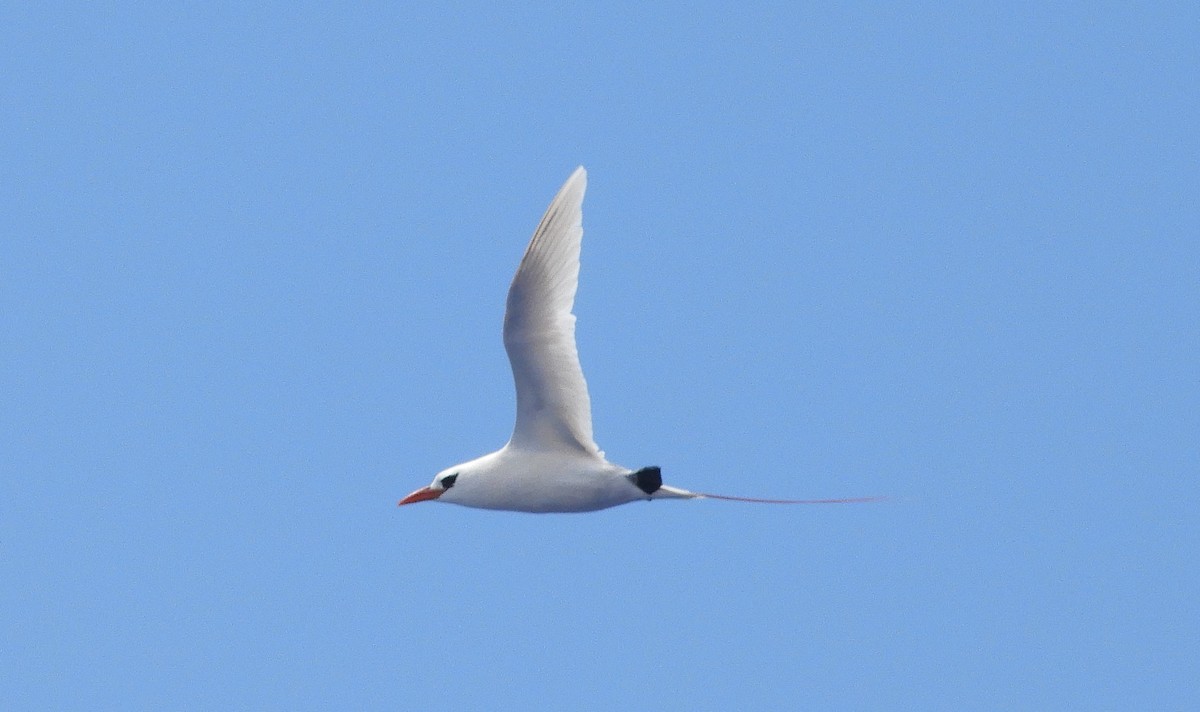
column 251, row 280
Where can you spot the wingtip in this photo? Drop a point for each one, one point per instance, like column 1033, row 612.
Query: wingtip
column 572, row 190
column 579, row 174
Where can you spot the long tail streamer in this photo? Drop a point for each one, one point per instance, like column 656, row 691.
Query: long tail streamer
column 848, row 500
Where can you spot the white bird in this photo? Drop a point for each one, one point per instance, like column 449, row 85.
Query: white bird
column 551, row 463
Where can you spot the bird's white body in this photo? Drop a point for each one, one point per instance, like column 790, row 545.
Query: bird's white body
column 551, row 463
column 543, row 481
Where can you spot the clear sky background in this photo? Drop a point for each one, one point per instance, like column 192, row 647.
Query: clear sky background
column 252, row 269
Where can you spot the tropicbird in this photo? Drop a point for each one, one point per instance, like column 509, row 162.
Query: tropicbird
column 551, row 463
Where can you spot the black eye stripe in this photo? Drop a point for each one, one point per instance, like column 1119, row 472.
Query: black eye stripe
column 448, row 481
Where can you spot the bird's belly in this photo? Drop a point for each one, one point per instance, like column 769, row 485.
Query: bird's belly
column 562, row 491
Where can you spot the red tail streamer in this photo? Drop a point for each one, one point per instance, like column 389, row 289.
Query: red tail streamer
column 848, row 500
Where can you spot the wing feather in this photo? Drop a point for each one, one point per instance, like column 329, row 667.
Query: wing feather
column 553, row 407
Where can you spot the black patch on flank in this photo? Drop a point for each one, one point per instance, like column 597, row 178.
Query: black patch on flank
column 448, row 481
column 647, row 479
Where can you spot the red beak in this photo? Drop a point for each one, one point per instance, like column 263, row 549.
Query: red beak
column 421, row 495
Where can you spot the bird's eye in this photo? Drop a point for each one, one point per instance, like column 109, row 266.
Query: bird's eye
column 448, row 481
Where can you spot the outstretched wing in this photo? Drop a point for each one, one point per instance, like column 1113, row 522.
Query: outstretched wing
column 553, row 408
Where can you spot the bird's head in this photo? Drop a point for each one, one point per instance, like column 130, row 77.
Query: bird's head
column 440, row 485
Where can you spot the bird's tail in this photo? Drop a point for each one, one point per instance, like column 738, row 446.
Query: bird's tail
column 759, row 500
column 649, row 480
column 666, row 492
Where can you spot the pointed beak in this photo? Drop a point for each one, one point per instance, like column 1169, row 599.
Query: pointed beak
column 421, row 495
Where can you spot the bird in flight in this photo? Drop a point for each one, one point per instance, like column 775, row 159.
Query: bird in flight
column 551, row 463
